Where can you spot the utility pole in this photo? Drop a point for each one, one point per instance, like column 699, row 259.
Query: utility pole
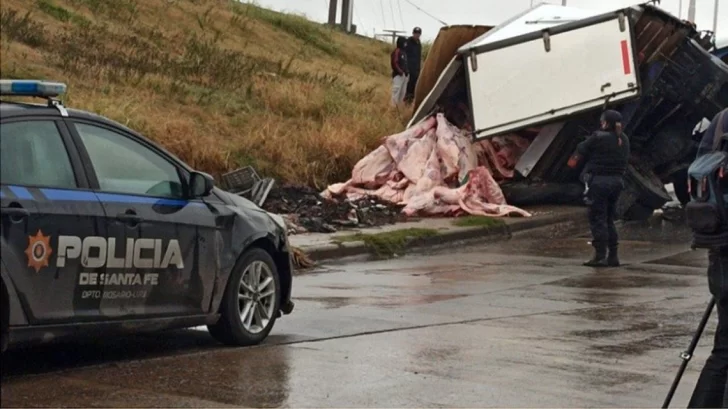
column 391, row 33
column 715, row 19
column 691, row 11
column 347, row 8
column 563, row 3
column 347, row 15
column 679, row 11
column 333, row 4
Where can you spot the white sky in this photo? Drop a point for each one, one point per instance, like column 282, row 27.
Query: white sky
column 372, row 16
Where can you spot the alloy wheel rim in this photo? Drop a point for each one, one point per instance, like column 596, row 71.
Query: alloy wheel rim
column 256, row 297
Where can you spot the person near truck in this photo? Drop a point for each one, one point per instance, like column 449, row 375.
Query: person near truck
column 400, row 71
column 711, row 391
column 605, row 155
column 414, row 60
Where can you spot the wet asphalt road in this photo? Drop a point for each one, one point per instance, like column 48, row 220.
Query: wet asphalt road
column 513, row 324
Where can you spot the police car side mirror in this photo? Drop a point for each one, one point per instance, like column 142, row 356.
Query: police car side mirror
column 201, row 184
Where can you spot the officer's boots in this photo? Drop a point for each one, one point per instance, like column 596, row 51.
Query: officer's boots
column 600, row 256
column 612, row 256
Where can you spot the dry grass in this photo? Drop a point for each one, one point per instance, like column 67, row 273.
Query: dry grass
column 220, row 83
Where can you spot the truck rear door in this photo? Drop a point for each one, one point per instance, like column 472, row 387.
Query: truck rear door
column 542, row 76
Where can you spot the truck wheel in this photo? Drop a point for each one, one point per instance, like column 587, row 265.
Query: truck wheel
column 250, row 304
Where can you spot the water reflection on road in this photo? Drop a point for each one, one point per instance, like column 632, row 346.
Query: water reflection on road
column 516, row 323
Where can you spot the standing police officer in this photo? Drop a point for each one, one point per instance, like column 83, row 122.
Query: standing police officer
column 606, row 153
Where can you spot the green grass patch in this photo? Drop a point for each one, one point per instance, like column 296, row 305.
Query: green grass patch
column 61, row 14
column 387, row 244
column 478, row 221
column 57, row 12
column 311, row 33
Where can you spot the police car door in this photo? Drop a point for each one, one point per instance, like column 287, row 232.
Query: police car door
column 45, row 203
column 152, row 265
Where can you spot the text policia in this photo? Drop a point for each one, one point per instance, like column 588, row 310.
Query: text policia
column 97, row 252
column 72, row 247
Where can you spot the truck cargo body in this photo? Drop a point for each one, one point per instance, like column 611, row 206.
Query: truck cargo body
column 576, row 67
column 649, row 65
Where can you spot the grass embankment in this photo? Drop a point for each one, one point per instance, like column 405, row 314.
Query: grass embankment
column 220, row 83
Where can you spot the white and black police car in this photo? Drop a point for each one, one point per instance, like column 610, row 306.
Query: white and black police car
column 104, row 232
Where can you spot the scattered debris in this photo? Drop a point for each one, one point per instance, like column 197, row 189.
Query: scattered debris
column 247, row 183
column 673, row 211
column 305, row 210
column 301, row 261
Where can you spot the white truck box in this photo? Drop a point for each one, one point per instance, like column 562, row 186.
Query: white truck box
column 541, row 77
column 542, row 65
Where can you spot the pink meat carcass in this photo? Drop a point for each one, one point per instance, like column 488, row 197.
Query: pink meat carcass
column 414, row 168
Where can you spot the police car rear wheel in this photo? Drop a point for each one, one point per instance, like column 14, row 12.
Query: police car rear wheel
column 250, row 304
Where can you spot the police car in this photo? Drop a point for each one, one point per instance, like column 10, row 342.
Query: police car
column 103, row 231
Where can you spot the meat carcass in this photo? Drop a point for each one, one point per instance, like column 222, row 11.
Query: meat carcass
column 423, row 168
column 374, row 169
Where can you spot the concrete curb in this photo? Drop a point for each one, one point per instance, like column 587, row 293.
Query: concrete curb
column 457, row 235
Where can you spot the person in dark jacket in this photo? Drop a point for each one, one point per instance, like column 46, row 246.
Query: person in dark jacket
column 400, row 71
column 414, row 59
column 711, row 391
column 605, row 156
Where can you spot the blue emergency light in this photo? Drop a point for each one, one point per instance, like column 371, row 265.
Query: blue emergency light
column 32, row 88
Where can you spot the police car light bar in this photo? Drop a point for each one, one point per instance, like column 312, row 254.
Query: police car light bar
column 32, row 88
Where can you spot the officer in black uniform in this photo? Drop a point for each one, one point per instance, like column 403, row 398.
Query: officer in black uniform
column 605, row 154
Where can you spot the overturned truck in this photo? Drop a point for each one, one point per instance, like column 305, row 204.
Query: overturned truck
column 547, row 74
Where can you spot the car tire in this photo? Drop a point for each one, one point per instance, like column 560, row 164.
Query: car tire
column 247, row 294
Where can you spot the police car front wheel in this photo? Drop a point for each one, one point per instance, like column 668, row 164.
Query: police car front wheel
column 250, row 304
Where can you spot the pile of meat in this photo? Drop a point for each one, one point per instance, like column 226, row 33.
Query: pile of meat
column 305, row 211
column 433, row 169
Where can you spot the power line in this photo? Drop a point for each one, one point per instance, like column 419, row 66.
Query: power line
column 428, row 14
column 401, row 16
column 381, row 7
column 391, row 10
column 358, row 17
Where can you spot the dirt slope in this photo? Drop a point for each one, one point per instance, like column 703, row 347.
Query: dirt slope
column 220, row 83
